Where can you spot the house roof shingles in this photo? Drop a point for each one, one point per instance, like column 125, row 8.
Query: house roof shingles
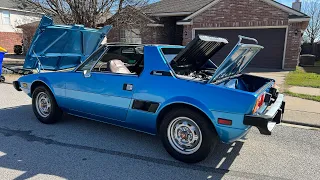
column 18, row 5
column 173, row 6
column 188, row 6
column 9, row 4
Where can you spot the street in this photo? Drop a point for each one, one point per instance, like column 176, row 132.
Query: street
column 77, row 148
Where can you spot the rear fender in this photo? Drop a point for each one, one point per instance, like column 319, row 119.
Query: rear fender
column 190, row 101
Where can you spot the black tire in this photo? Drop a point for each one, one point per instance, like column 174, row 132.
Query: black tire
column 209, row 135
column 2, row 78
column 55, row 112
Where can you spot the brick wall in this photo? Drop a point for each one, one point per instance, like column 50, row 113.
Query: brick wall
column 149, row 35
column 134, row 20
column 9, row 39
column 238, row 13
column 246, row 13
column 293, row 45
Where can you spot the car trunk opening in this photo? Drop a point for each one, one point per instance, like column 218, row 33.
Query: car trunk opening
column 245, row 82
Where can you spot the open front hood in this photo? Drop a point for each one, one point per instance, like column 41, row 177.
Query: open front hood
column 198, row 52
column 59, row 47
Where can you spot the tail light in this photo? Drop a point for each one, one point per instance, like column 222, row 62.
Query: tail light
column 259, row 103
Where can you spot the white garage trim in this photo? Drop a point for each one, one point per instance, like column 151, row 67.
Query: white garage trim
column 299, row 19
column 252, row 27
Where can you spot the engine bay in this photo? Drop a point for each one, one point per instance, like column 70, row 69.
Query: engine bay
column 201, row 75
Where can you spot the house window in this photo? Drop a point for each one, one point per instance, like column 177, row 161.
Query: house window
column 6, row 17
column 130, row 36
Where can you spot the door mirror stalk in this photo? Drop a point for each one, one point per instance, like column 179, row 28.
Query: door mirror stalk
column 86, row 73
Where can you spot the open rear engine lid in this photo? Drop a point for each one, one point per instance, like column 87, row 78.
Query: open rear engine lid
column 238, row 59
column 59, row 47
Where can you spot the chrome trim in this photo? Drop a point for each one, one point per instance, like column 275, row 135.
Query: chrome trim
column 184, row 135
column 275, row 107
column 43, row 104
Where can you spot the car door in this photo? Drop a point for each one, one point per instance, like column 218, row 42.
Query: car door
column 99, row 95
column 103, row 96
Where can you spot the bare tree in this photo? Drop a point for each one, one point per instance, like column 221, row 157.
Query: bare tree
column 86, row 12
column 312, row 8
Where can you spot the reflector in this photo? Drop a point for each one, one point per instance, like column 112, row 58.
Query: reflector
column 224, row 121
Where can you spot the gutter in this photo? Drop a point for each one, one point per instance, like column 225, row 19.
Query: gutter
column 19, row 10
column 299, row 20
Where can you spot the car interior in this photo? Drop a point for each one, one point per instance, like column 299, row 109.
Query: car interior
column 122, row 60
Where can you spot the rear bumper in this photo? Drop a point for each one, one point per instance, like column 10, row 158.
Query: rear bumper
column 266, row 122
column 16, row 85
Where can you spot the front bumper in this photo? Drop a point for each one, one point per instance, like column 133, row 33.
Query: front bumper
column 16, row 85
column 266, row 122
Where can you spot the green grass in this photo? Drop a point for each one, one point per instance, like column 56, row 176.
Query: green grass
column 300, row 77
column 303, row 96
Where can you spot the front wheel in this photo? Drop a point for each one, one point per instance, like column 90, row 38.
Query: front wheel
column 45, row 106
column 187, row 135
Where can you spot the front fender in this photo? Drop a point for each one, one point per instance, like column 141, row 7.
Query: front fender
column 46, row 82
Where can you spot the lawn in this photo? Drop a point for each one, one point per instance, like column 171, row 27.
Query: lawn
column 303, row 96
column 307, row 77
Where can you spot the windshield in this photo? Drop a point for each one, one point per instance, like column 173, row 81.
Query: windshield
column 87, row 65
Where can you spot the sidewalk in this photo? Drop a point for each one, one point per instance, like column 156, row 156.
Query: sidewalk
column 302, row 112
column 12, row 61
column 305, row 90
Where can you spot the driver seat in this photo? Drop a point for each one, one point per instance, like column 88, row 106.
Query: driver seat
column 117, row 66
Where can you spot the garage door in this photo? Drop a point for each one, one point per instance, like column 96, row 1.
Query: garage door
column 272, row 40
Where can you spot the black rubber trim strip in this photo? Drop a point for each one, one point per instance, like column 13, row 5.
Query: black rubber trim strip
column 16, row 85
column 145, row 105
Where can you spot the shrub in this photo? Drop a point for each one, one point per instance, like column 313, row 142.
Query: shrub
column 17, row 49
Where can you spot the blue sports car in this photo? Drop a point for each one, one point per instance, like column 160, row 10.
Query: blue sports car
column 176, row 92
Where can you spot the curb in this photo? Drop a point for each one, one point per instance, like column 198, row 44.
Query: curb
column 301, row 124
column 13, row 63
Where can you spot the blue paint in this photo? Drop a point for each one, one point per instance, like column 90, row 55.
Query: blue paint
column 101, row 97
column 60, row 46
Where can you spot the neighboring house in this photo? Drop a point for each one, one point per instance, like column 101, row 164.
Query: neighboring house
column 277, row 27
column 11, row 16
column 133, row 26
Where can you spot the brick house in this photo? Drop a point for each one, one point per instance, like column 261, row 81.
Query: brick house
column 11, row 16
column 277, row 27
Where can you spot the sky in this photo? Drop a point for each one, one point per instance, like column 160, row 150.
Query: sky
column 286, row 2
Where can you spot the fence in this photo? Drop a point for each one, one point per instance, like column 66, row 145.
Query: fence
column 308, row 48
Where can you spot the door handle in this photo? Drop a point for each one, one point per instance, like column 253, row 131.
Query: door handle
column 128, row 87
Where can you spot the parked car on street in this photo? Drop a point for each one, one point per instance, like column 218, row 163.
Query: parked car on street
column 176, row 92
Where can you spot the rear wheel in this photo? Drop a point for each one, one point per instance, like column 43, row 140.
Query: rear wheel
column 45, row 106
column 187, row 135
